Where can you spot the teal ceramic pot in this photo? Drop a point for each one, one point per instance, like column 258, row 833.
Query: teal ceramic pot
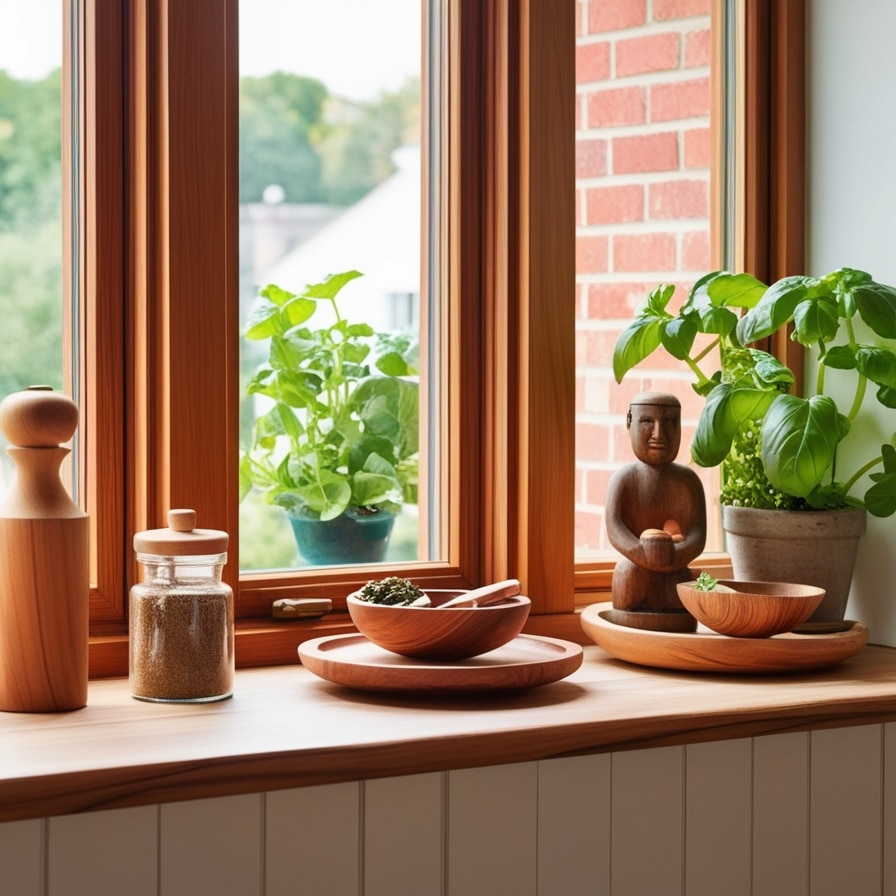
column 354, row 537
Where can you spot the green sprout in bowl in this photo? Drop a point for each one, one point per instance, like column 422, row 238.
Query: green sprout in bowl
column 705, row 582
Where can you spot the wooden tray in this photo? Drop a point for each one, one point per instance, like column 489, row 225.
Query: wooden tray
column 706, row 651
column 525, row 662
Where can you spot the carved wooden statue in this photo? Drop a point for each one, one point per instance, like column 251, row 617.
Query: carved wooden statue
column 656, row 518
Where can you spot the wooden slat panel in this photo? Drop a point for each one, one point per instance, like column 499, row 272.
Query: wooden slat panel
column 492, row 830
column 648, row 822
column 212, row 846
column 318, row 857
column 183, row 302
column 845, row 811
column 286, row 728
column 781, row 813
column 103, row 854
column 889, row 814
column 719, row 797
column 574, row 826
column 403, row 835
column 21, row 856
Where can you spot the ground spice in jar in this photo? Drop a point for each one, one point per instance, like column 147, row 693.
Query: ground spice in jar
column 181, row 616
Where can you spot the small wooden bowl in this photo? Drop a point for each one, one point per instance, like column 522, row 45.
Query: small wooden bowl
column 455, row 633
column 753, row 609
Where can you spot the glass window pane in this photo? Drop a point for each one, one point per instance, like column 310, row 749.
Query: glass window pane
column 643, row 170
column 330, row 183
column 31, row 282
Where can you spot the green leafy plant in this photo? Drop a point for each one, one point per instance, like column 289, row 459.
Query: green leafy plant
column 705, row 582
column 342, row 428
column 776, row 448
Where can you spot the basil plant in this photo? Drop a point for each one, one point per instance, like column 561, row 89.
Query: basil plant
column 341, row 424
column 777, row 448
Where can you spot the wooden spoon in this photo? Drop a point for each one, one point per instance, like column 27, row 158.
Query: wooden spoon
column 487, row 594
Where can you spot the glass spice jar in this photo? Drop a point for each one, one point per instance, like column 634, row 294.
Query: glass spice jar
column 181, row 615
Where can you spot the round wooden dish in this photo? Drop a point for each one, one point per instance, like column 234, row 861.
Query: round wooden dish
column 528, row 661
column 752, row 609
column 431, row 633
column 706, row 651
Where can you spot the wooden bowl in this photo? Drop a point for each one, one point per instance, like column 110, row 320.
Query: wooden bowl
column 752, row 609
column 455, row 633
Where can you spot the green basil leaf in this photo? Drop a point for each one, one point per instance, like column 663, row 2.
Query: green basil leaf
column 677, row 336
column 887, row 397
column 641, row 337
column 774, row 309
column 727, row 408
column 769, row 371
column 264, row 320
column 328, row 495
column 815, row 321
column 330, row 287
column 276, row 296
column 735, row 290
column 880, row 499
column 878, row 364
column 718, row 320
column 841, row 357
column 298, row 310
column 799, row 441
column 876, row 305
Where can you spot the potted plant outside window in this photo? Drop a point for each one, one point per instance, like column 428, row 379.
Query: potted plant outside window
column 781, row 453
column 337, row 447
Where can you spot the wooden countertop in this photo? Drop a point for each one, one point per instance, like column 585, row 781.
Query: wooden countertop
column 286, row 728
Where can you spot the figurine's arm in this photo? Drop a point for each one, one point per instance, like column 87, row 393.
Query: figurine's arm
column 692, row 520
column 651, row 549
column 618, row 532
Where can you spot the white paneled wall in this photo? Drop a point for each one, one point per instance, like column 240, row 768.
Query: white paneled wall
column 785, row 815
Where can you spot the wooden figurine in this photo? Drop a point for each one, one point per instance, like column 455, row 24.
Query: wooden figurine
column 656, row 518
column 44, row 561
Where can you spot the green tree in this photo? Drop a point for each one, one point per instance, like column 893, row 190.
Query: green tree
column 278, row 114
column 360, row 138
column 30, row 150
column 30, row 232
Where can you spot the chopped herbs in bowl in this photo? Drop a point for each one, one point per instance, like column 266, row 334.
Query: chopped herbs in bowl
column 392, row 591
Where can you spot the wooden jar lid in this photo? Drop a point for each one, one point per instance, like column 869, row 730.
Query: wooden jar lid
column 181, row 538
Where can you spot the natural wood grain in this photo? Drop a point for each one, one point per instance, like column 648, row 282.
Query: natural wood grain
column 44, row 561
column 751, row 609
column 708, row 651
column 286, row 728
column 525, row 662
column 435, row 633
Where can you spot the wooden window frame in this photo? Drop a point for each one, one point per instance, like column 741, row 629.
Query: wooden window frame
column 159, row 263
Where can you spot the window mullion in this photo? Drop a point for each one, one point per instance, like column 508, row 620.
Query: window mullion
column 529, row 272
column 184, row 261
column 95, row 270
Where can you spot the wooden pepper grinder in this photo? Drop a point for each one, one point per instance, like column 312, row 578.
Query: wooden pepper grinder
column 44, row 561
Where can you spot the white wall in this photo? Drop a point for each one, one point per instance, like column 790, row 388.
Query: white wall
column 765, row 816
column 852, row 208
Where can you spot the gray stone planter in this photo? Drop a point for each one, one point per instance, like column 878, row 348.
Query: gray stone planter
column 808, row 547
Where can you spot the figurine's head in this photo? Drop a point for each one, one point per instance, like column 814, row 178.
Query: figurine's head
column 654, row 425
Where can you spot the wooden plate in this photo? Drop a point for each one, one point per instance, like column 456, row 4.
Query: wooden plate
column 706, row 651
column 525, row 662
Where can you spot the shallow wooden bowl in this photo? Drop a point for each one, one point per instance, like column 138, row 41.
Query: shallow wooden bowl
column 455, row 633
column 753, row 609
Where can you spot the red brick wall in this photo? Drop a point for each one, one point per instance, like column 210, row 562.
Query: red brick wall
column 642, row 207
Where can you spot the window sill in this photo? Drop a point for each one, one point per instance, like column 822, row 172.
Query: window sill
column 270, row 643
column 286, row 728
